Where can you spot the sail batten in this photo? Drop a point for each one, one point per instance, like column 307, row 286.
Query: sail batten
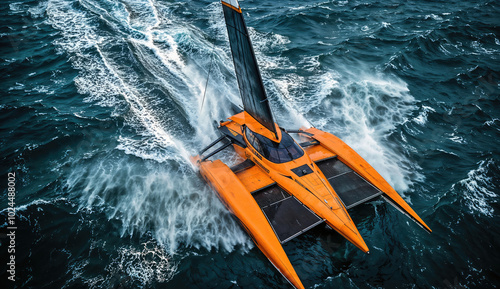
column 250, row 83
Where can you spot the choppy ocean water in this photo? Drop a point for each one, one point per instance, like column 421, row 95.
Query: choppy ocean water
column 101, row 107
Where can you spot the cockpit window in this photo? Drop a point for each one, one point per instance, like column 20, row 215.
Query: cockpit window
column 285, row 151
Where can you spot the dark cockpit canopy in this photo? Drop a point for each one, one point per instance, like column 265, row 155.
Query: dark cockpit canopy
column 282, row 152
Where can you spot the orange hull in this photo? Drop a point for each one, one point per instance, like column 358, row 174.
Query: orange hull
column 240, row 202
column 300, row 183
column 351, row 158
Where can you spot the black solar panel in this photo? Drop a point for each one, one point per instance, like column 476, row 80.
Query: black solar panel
column 270, row 195
column 349, row 186
column 287, row 216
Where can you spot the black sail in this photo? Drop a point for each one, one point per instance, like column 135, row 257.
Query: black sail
column 247, row 71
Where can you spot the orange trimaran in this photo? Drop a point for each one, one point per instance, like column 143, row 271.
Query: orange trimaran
column 282, row 188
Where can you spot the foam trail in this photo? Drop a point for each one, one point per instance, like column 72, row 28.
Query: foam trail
column 163, row 199
column 154, row 189
column 190, row 75
column 145, row 115
column 369, row 108
column 155, row 41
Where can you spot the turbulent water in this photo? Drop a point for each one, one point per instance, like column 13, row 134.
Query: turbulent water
column 102, row 105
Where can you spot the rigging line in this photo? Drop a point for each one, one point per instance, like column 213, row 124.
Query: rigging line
column 208, row 76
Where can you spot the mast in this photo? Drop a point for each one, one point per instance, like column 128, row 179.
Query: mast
column 247, row 71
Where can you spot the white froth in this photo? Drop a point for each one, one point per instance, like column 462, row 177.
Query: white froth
column 364, row 109
column 159, row 198
column 480, row 189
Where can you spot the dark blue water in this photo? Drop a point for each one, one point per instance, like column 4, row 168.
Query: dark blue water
column 101, row 107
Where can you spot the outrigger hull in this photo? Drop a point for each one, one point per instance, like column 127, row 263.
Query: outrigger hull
column 361, row 167
column 240, row 202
